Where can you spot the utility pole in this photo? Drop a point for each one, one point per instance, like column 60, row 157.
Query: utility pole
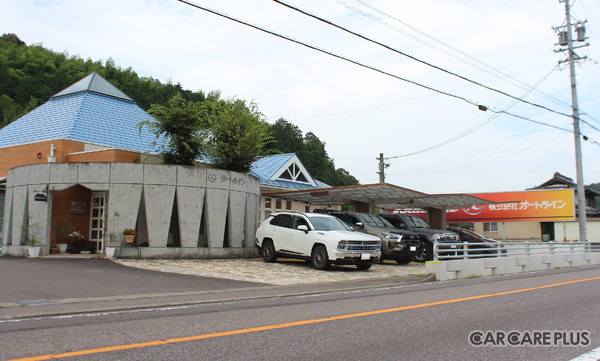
column 566, row 39
column 382, row 166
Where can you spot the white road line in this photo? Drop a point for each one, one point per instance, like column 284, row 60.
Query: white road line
column 593, row 355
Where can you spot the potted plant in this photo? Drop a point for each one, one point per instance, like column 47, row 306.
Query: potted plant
column 113, row 242
column 113, row 239
column 32, row 247
column 64, row 228
column 32, row 243
column 129, row 234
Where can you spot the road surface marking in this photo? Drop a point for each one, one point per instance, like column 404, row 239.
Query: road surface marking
column 293, row 324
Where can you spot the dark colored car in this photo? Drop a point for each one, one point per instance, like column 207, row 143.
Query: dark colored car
column 396, row 244
column 427, row 235
column 478, row 244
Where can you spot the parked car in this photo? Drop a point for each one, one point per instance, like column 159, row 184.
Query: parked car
column 478, row 244
column 427, row 235
column 319, row 238
column 396, row 244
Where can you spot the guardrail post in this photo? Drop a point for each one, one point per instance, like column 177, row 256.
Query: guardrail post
column 436, row 255
column 466, row 249
column 527, row 248
column 551, row 247
column 571, row 246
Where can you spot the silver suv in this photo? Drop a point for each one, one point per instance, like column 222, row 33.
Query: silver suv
column 319, row 238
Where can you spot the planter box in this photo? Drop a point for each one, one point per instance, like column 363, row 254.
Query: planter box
column 34, row 251
column 62, row 247
column 110, row 251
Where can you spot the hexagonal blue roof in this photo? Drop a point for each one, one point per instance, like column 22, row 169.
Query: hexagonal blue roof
column 90, row 111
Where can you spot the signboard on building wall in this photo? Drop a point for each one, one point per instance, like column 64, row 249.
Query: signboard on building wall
column 543, row 205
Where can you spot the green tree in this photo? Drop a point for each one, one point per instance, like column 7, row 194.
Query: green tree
column 287, row 138
column 180, row 130
column 238, row 134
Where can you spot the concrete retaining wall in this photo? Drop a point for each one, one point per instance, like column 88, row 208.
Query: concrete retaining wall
column 481, row 267
column 145, row 196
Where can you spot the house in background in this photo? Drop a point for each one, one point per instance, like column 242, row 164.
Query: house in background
column 79, row 161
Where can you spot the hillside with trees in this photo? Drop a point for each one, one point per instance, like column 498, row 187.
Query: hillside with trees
column 31, row 74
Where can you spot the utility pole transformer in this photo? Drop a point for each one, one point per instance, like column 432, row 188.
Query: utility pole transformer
column 382, row 166
column 566, row 39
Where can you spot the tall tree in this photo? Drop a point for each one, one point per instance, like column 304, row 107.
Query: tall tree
column 238, row 135
column 180, row 130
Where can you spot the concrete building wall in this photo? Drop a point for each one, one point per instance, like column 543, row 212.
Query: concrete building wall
column 146, row 197
column 570, row 230
column 512, row 231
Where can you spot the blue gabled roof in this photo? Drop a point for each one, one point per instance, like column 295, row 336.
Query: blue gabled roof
column 87, row 116
column 267, row 167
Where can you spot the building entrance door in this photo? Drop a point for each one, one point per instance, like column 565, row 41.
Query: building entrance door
column 98, row 219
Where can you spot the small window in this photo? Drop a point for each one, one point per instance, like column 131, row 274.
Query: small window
column 282, row 220
column 277, row 203
column 490, row 227
column 307, row 208
column 288, row 205
column 267, row 203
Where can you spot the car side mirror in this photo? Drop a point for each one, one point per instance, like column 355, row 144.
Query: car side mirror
column 358, row 225
column 303, row 227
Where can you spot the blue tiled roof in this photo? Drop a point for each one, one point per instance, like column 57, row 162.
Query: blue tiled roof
column 266, row 167
column 85, row 116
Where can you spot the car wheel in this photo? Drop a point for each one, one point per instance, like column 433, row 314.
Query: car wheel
column 425, row 253
column 364, row 266
column 268, row 251
column 403, row 259
column 320, row 260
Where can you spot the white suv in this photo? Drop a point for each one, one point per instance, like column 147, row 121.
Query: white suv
column 319, row 238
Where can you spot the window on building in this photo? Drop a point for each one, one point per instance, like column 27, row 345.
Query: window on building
column 490, row 227
column 288, row 205
column 277, row 203
column 267, row 203
column 307, row 208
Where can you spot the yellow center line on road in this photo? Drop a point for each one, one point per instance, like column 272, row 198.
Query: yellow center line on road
column 293, row 324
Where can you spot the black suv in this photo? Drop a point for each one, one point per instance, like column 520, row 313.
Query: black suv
column 426, row 234
column 396, row 244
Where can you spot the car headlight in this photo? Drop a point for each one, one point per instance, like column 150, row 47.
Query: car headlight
column 391, row 235
column 342, row 245
column 437, row 237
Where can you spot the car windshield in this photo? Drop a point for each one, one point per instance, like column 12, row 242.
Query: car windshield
column 328, row 224
column 376, row 221
column 418, row 222
column 472, row 234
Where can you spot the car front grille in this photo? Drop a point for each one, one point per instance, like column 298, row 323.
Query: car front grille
column 450, row 237
column 363, row 245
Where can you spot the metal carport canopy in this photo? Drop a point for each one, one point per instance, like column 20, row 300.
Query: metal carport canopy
column 382, row 195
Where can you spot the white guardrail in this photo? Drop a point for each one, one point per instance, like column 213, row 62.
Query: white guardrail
column 469, row 260
column 466, row 250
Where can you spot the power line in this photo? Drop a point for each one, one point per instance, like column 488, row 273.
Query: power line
column 215, row 12
column 514, row 81
column 415, row 58
column 469, row 131
column 479, row 106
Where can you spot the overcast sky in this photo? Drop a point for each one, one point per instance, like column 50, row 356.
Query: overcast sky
column 506, row 45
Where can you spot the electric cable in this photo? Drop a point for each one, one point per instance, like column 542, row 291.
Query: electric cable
column 514, row 81
column 415, row 58
column 312, row 47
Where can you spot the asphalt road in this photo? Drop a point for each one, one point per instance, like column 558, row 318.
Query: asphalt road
column 419, row 322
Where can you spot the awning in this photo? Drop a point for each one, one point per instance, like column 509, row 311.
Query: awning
column 382, row 195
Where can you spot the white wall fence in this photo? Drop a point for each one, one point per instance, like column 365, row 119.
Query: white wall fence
column 466, row 260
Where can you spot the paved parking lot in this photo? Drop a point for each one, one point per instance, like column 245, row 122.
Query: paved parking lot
column 283, row 272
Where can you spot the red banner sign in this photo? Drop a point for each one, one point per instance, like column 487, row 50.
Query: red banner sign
column 543, row 205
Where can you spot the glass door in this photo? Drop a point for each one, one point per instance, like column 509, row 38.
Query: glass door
column 97, row 220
